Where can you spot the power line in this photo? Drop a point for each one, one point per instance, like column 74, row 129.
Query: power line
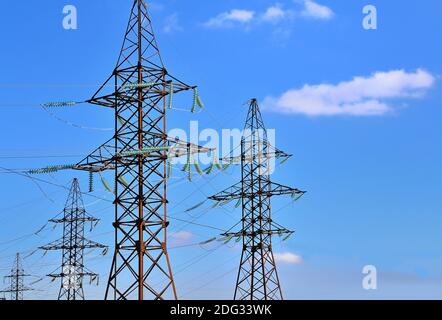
column 50, row 183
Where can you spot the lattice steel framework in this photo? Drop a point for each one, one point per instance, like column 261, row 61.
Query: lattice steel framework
column 72, row 244
column 257, row 277
column 138, row 154
column 16, row 280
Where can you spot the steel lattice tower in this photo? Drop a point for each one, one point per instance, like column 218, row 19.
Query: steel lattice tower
column 72, row 245
column 139, row 91
column 257, row 277
column 16, row 280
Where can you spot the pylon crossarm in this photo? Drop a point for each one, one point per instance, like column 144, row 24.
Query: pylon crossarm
column 21, row 275
column 231, row 193
column 269, row 189
column 181, row 148
column 103, row 158
column 239, row 234
column 152, row 89
column 85, row 219
column 55, row 245
column 89, row 244
column 80, row 274
column 17, row 290
column 276, row 189
column 59, row 245
column 100, row 159
column 263, row 156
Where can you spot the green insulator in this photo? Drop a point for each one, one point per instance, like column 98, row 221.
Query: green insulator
column 139, row 85
column 50, row 169
column 228, row 239
column 280, row 232
column 169, row 168
column 188, row 166
column 225, row 202
column 195, row 206
column 207, row 241
column 216, row 204
column 215, row 161
column 145, row 151
column 123, row 181
column 199, row 102
column 91, row 181
column 188, row 169
column 284, row 160
column 198, row 169
column 195, row 100
column 297, row 195
column 238, row 203
column 189, row 175
column 121, row 120
column 287, row 237
column 209, row 170
column 106, row 185
column 59, row 104
column 171, row 89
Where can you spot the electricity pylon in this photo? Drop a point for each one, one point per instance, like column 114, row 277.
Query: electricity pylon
column 257, row 276
column 138, row 154
column 72, row 245
column 16, row 280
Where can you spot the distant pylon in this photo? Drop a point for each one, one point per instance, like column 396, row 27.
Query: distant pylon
column 257, row 276
column 72, row 245
column 16, row 280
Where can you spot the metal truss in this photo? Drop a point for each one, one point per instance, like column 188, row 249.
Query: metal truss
column 139, row 91
column 257, row 276
column 72, row 244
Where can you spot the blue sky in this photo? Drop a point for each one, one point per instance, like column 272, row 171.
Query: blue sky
column 368, row 154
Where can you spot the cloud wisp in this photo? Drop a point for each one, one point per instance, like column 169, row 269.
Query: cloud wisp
column 172, row 24
column 276, row 14
column 181, row 237
column 273, row 14
column 361, row 96
column 287, row 258
column 316, row 10
column 231, row 18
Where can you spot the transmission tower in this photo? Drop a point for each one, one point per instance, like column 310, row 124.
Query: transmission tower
column 140, row 92
column 16, row 280
column 72, row 245
column 257, row 276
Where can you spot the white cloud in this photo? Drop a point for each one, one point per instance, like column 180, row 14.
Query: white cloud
column 362, row 96
column 287, row 257
column 275, row 14
column 182, row 235
column 316, row 10
column 230, row 18
column 172, row 24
